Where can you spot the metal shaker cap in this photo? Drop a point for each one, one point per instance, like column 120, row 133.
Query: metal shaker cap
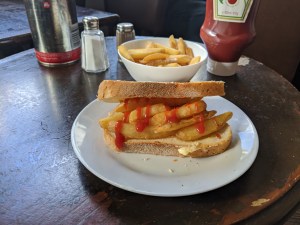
column 90, row 23
column 127, row 27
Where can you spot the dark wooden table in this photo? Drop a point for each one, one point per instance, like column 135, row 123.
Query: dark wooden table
column 43, row 182
column 15, row 34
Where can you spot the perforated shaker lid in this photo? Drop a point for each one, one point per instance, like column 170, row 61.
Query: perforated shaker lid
column 127, row 27
column 90, row 23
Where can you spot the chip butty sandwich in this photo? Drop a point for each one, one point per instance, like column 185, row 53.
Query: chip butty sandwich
column 164, row 118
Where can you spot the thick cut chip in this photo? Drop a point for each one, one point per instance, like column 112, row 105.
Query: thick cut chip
column 185, row 122
column 195, row 60
column 176, row 114
column 172, row 42
column 189, row 52
column 172, row 65
column 115, row 116
column 181, row 46
column 146, row 112
column 202, row 129
column 167, row 50
column 140, row 53
column 129, row 131
column 124, row 52
column 154, row 56
column 180, row 59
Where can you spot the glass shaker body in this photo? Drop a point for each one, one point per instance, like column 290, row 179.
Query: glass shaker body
column 227, row 30
column 125, row 32
column 94, row 54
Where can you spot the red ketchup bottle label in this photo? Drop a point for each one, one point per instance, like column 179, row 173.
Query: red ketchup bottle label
column 235, row 11
column 227, row 30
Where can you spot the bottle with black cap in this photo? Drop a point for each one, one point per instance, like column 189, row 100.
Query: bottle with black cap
column 93, row 49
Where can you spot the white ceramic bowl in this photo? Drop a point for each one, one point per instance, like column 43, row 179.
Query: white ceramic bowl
column 141, row 72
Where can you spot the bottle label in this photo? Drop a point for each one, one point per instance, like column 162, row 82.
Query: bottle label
column 232, row 10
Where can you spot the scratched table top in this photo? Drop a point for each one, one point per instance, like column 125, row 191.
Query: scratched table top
column 43, row 182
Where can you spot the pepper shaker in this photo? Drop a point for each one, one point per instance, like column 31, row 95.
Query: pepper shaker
column 125, row 32
column 93, row 53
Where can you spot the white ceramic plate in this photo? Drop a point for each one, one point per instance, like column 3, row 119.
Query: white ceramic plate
column 161, row 175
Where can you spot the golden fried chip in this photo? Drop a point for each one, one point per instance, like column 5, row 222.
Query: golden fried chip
column 124, row 52
column 185, row 122
column 172, row 65
column 189, row 52
column 181, row 46
column 130, row 131
column 184, row 111
column 195, row 60
column 141, row 53
column 167, row 50
column 154, row 56
column 172, row 42
column 209, row 126
column 146, row 112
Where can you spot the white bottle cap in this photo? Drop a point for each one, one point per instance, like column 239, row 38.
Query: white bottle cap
column 221, row 68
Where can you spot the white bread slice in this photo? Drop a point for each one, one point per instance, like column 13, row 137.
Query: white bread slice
column 117, row 90
column 171, row 146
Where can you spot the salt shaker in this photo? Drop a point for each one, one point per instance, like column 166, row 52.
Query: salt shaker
column 125, row 32
column 93, row 49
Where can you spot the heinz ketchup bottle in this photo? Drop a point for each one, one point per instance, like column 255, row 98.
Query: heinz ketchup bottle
column 227, row 30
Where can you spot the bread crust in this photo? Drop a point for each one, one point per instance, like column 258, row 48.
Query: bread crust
column 208, row 146
column 117, row 90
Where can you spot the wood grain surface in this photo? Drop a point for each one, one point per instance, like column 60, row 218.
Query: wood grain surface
column 42, row 181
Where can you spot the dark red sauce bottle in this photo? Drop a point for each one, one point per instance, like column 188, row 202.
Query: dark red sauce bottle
column 227, row 30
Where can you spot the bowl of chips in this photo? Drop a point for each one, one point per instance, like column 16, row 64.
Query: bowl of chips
column 162, row 59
